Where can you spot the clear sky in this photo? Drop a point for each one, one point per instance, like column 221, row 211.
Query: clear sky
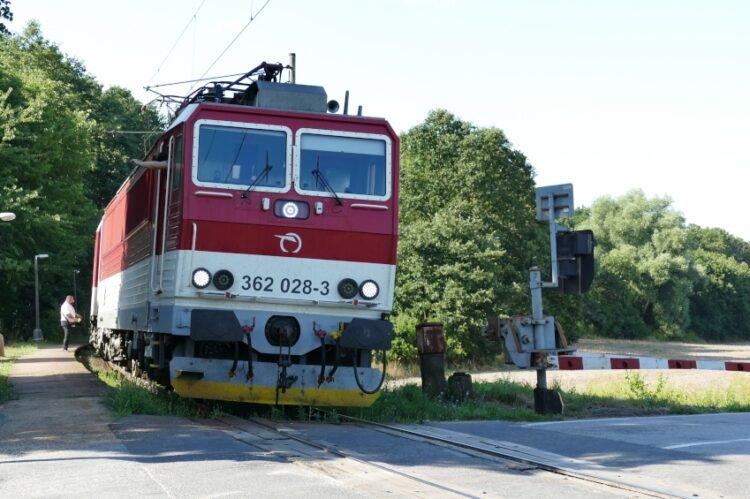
column 607, row 95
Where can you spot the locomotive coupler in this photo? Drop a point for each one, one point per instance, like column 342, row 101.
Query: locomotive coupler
column 336, row 337
column 284, row 381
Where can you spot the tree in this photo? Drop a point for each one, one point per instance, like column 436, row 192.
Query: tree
column 641, row 253
column 717, row 240
column 721, row 299
column 60, row 164
column 117, row 111
column 468, row 233
column 5, row 13
column 45, row 148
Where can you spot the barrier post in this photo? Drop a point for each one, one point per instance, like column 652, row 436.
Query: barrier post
column 431, row 348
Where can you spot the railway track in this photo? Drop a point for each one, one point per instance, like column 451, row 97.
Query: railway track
column 282, row 439
column 389, row 479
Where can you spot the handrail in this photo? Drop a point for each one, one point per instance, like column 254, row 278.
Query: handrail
column 192, row 252
column 167, row 200
column 156, row 232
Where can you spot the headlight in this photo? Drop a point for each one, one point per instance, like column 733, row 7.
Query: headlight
column 369, row 289
column 290, row 210
column 201, row 278
column 285, row 208
column 223, row 280
column 348, row 288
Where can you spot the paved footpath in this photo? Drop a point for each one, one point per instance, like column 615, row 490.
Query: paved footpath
column 55, row 424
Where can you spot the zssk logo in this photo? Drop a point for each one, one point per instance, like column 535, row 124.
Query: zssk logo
column 293, row 240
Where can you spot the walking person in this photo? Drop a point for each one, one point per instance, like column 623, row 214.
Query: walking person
column 68, row 316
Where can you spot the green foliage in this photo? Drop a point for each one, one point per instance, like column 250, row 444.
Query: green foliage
column 407, row 404
column 467, row 233
column 721, row 299
column 641, row 246
column 5, row 13
column 661, row 397
column 12, row 352
column 670, row 281
column 59, row 166
column 127, row 398
column 503, row 399
column 116, row 111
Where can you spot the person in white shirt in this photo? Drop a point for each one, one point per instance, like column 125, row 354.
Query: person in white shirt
column 68, row 316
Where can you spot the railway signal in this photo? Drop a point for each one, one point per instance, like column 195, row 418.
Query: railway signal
column 531, row 341
column 575, row 259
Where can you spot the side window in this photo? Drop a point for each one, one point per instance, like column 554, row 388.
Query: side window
column 177, row 159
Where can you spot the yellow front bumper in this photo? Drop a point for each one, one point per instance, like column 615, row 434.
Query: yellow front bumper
column 267, row 395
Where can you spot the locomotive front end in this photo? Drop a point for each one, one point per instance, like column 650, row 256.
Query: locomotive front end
column 281, row 279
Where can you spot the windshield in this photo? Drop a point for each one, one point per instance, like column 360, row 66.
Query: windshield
column 239, row 156
column 350, row 165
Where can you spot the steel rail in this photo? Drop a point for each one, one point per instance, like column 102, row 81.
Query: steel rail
column 339, row 453
column 414, row 434
column 539, row 464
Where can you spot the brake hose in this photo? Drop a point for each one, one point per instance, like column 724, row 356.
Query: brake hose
column 320, row 333
column 233, row 370
column 329, row 378
column 247, row 330
column 356, row 373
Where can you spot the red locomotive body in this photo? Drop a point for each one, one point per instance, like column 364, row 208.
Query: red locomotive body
column 251, row 256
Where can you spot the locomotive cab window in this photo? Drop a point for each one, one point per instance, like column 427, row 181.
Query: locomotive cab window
column 353, row 165
column 237, row 156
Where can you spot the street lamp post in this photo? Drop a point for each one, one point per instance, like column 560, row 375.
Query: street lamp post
column 75, row 292
column 5, row 216
column 37, row 334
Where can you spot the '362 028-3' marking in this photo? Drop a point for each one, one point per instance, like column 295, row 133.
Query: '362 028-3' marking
column 288, row 286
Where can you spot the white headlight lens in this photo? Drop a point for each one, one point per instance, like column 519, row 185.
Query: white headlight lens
column 201, row 278
column 290, row 210
column 369, row 290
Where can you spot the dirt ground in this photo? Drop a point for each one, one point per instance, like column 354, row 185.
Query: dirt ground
column 664, row 350
column 688, row 379
column 581, row 381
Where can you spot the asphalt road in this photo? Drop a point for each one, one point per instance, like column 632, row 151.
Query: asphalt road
column 697, row 455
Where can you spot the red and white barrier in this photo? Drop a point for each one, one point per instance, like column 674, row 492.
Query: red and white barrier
column 608, row 361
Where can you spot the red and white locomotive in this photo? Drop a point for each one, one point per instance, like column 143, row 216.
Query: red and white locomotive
column 252, row 255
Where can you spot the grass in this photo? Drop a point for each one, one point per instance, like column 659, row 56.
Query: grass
column 499, row 400
column 660, row 397
column 513, row 401
column 12, row 352
column 126, row 397
column 407, row 404
column 630, row 395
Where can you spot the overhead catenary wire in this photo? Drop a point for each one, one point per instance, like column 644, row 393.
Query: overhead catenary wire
column 192, row 81
column 252, row 18
column 133, row 132
column 192, row 19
